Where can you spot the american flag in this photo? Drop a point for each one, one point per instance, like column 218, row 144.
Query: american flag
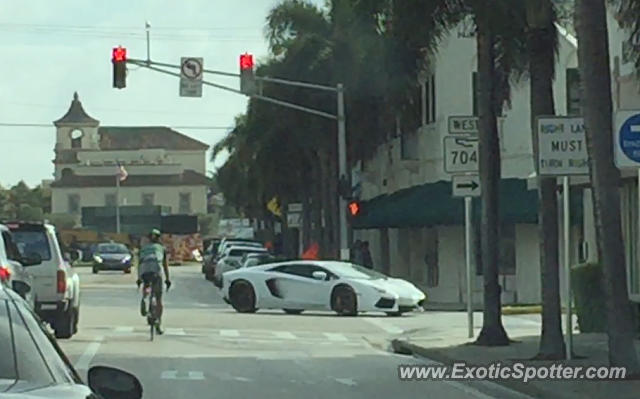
column 122, row 172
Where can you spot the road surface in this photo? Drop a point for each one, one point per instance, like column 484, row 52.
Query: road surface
column 210, row 351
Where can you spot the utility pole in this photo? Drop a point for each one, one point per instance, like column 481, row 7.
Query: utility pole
column 342, row 166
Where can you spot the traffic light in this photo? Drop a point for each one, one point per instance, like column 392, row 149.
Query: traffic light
column 119, row 61
column 247, row 75
column 354, row 208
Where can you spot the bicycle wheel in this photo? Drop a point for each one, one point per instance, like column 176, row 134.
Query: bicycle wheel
column 151, row 320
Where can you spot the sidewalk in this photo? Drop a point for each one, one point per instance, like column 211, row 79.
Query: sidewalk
column 448, row 344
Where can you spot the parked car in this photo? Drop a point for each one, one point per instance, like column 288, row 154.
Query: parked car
column 209, row 259
column 13, row 267
column 231, row 260
column 300, row 285
column 254, row 259
column 111, row 256
column 239, row 242
column 57, row 285
column 32, row 364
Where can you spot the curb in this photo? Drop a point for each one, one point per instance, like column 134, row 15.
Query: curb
column 402, row 347
column 517, row 310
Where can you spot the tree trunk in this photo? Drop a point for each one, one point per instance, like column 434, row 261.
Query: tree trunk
column 492, row 333
column 593, row 57
column 541, row 38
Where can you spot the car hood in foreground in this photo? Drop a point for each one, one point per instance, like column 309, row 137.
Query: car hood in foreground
column 65, row 391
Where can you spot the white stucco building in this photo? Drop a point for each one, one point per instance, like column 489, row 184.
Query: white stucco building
column 164, row 167
column 428, row 247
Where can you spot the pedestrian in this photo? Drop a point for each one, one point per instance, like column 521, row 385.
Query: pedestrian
column 367, row 260
column 356, row 253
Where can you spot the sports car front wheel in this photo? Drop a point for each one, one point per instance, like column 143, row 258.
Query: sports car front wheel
column 344, row 301
column 242, row 297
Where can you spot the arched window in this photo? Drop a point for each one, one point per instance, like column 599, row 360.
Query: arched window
column 76, row 138
column 66, row 173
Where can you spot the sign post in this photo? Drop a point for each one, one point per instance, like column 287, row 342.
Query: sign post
column 562, row 151
column 467, row 186
column 191, row 69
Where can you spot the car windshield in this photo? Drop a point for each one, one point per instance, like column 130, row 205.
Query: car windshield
column 112, row 249
column 351, row 270
column 33, row 242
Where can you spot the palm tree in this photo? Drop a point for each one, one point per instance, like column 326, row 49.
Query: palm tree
column 593, row 57
column 542, row 44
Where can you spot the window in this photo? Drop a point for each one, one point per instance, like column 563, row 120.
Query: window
column 574, row 92
column 76, row 138
column 56, row 361
column 73, row 202
column 148, row 199
column 429, row 100
column 185, row 203
column 110, row 200
column 31, row 364
column 13, row 252
column 33, row 242
column 303, row 270
column 7, row 361
column 431, row 258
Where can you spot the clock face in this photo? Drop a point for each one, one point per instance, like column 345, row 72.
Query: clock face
column 76, row 134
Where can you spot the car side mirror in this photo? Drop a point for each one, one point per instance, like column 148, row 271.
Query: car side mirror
column 31, row 259
column 112, row 383
column 318, row 275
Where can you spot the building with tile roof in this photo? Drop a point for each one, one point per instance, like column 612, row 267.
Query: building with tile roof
column 165, row 167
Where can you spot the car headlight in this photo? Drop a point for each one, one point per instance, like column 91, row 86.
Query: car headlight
column 97, row 258
column 126, row 259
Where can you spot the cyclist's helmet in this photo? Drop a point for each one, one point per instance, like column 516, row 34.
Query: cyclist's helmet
column 155, row 233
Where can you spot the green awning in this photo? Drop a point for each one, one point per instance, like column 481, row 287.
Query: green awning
column 432, row 204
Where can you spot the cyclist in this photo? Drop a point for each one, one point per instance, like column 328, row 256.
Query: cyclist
column 152, row 259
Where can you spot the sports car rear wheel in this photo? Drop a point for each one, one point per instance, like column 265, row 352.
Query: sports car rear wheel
column 344, row 301
column 242, row 297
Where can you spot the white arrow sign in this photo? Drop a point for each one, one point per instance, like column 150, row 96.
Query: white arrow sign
column 466, row 186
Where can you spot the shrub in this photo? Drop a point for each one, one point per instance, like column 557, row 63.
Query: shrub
column 588, row 293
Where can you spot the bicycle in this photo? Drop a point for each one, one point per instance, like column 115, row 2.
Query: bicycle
column 152, row 317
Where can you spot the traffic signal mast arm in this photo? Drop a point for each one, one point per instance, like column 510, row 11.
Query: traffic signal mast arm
column 153, row 65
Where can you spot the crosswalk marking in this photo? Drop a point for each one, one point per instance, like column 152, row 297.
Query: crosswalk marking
column 229, row 333
column 335, row 337
column 124, row 329
column 175, row 331
column 284, row 335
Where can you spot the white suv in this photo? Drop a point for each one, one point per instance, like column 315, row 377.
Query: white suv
column 57, row 285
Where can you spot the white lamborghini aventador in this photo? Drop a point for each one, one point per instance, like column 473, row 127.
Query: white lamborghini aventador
column 296, row 286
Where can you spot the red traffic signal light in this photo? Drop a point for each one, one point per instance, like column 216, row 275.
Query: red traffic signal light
column 354, row 208
column 119, row 54
column 246, row 62
column 119, row 61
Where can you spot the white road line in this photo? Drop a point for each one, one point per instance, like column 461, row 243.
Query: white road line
column 175, row 331
column 229, row 333
column 347, row 381
column 124, row 329
column 88, row 354
column 284, row 334
column 196, row 375
column 384, row 326
column 335, row 337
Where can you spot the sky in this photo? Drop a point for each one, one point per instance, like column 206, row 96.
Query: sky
column 53, row 48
